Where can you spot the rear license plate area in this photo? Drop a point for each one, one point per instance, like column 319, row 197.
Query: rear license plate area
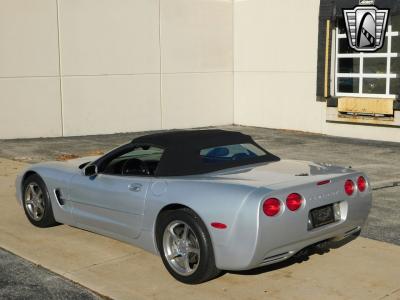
column 321, row 216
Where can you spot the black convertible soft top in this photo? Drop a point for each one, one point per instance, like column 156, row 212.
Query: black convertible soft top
column 182, row 150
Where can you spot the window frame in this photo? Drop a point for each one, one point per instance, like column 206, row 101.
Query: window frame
column 361, row 75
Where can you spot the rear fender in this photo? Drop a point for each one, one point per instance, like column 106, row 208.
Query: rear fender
column 212, row 202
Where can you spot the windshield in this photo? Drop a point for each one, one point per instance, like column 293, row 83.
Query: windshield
column 144, row 153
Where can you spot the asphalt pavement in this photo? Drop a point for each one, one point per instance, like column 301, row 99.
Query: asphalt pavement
column 20, row 279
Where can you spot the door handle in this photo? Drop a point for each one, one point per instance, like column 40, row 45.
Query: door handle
column 135, row 187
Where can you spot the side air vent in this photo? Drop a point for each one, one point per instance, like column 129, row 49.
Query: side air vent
column 59, row 197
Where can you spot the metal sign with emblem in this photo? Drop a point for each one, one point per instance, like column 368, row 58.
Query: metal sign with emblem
column 366, row 26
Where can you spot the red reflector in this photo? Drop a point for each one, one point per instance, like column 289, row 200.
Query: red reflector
column 218, row 225
column 361, row 183
column 271, row 207
column 349, row 187
column 294, row 201
column 324, row 182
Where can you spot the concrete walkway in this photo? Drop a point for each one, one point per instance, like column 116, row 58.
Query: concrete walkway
column 362, row 269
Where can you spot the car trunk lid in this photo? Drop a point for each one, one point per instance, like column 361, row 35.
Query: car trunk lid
column 278, row 174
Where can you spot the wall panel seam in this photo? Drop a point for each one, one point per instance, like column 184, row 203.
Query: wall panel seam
column 59, row 68
column 112, row 74
column 160, row 62
column 233, row 65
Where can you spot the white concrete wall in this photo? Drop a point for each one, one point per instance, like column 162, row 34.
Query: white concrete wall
column 275, row 64
column 196, row 63
column 29, row 86
column 76, row 67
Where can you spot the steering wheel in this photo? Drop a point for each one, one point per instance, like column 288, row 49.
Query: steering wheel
column 135, row 166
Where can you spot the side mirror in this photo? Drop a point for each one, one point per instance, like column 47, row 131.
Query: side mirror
column 90, row 170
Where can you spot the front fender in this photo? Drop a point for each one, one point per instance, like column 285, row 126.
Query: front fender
column 56, row 175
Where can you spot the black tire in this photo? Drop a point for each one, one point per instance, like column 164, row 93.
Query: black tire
column 47, row 217
column 206, row 269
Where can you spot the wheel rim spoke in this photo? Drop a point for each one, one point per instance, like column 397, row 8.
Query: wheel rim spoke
column 187, row 263
column 194, row 250
column 34, row 202
column 36, row 211
column 32, row 190
column 173, row 256
column 181, row 248
column 185, row 232
column 173, row 234
column 40, row 207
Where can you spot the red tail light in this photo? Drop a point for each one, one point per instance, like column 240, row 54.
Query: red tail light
column 361, row 183
column 349, row 187
column 271, row 207
column 294, row 201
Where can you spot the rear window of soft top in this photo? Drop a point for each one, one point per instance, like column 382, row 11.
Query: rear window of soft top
column 231, row 153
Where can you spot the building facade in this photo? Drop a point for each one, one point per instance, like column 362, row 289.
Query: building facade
column 80, row 67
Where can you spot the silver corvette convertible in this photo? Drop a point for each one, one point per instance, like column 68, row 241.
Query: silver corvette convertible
column 204, row 200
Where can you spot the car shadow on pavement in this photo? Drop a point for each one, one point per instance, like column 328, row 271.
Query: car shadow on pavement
column 300, row 257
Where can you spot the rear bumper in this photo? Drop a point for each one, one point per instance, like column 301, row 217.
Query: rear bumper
column 289, row 250
column 274, row 253
column 279, row 238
